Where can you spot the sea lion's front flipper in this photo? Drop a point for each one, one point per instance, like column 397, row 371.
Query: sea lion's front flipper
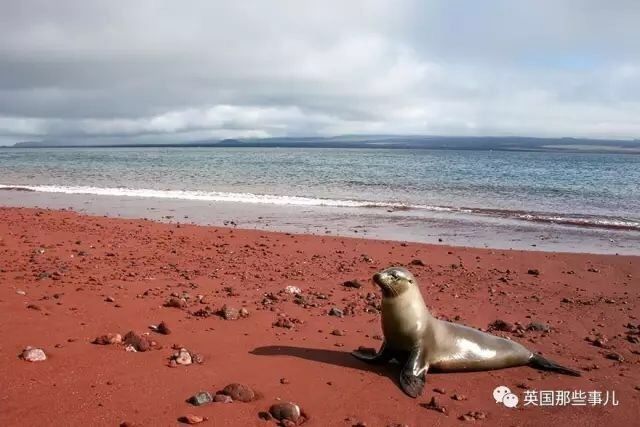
column 370, row 356
column 414, row 372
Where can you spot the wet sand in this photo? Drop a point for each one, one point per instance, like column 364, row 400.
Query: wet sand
column 67, row 278
column 455, row 229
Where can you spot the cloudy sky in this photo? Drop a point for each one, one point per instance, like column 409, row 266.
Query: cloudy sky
column 173, row 71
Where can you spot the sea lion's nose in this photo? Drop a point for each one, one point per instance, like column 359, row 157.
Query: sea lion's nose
column 377, row 277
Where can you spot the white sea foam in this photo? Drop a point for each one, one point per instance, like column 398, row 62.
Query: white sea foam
column 215, row 196
column 218, row 196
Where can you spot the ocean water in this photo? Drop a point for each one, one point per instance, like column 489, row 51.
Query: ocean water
column 574, row 191
column 581, row 189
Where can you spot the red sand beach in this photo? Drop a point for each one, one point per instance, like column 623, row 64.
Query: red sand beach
column 67, row 279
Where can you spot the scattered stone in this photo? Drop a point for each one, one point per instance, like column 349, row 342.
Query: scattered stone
column 352, row 284
column 264, row 415
column 222, row 398
column 434, row 406
column 201, row 398
column 337, row 332
column 108, row 339
column 283, row 322
column 336, row 312
column 501, row 325
column 175, row 302
column 285, row 411
column 533, row 272
column 192, row 419
column 229, row 313
column 539, row 327
column 473, row 416
column 109, row 299
column 197, row 358
column 598, row 341
column 293, row 290
column 182, row 357
column 615, row 356
column 593, row 270
column 127, row 424
column 440, row 390
column 21, row 292
column 284, row 381
column 244, row 312
column 239, row 392
column 34, row 307
column 459, row 397
column 31, row 354
column 138, row 342
column 367, row 258
column 417, row 262
column 163, row 328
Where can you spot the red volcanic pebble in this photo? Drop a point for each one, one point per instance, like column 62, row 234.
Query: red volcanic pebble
column 192, row 419
column 222, row 398
column 108, row 339
column 138, row 342
column 163, row 329
column 239, row 392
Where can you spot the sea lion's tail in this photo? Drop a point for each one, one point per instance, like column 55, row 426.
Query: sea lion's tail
column 539, row 362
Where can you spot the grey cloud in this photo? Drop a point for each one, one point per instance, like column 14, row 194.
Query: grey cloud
column 200, row 69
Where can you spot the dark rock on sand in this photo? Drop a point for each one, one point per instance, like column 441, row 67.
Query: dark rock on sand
column 138, row 342
column 539, row 327
column 239, row 392
column 175, row 302
column 615, row 356
column 336, row 312
column 473, row 416
column 352, row 284
column 163, row 329
column 222, row 398
column 501, row 325
column 201, row 398
column 285, row 411
column 108, row 339
column 434, row 406
column 229, row 313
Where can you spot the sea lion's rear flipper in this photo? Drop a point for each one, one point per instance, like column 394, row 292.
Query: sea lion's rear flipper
column 370, row 356
column 413, row 375
column 539, row 362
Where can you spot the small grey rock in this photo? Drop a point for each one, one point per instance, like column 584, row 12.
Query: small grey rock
column 201, row 398
column 336, row 312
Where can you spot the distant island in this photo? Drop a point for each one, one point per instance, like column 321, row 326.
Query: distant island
column 502, row 143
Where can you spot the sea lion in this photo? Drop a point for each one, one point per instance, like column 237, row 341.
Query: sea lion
column 414, row 337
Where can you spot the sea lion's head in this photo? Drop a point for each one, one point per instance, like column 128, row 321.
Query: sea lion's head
column 393, row 281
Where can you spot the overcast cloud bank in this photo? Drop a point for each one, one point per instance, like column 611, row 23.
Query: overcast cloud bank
column 179, row 71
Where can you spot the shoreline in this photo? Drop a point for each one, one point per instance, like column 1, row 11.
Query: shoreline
column 456, row 229
column 69, row 278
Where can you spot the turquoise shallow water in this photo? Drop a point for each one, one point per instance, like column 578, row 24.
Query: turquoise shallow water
column 578, row 190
